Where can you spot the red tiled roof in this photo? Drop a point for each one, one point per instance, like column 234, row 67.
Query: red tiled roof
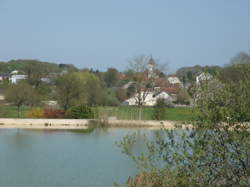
column 171, row 90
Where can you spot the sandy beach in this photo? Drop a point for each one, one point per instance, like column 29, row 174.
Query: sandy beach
column 69, row 124
column 83, row 123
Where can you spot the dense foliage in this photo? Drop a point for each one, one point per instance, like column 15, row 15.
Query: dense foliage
column 215, row 152
column 81, row 112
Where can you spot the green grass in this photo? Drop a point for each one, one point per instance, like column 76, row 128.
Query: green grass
column 11, row 112
column 132, row 113
column 122, row 113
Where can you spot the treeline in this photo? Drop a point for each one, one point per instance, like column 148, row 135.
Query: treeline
column 70, row 86
column 64, row 83
column 188, row 74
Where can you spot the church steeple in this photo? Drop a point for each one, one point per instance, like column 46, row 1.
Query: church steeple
column 150, row 67
column 151, row 61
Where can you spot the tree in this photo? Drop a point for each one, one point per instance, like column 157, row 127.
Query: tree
column 215, row 152
column 94, row 90
column 235, row 72
column 145, row 72
column 111, row 77
column 69, row 90
column 182, row 97
column 21, row 94
column 78, row 88
column 35, row 71
column 240, row 58
column 121, row 94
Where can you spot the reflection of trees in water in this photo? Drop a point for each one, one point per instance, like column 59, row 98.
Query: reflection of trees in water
column 22, row 139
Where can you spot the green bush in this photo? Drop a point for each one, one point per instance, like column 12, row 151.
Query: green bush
column 81, row 112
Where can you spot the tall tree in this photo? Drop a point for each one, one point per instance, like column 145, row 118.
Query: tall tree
column 69, row 90
column 78, row 88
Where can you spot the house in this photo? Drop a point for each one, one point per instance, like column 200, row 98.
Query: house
column 16, row 76
column 203, row 77
column 172, row 91
column 175, row 82
column 150, row 98
column 46, row 80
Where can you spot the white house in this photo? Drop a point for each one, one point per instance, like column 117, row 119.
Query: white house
column 174, row 80
column 15, row 76
column 150, row 100
column 203, row 77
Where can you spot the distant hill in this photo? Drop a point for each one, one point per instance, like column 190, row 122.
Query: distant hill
column 7, row 67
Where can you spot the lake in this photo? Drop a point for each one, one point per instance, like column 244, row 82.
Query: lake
column 63, row 158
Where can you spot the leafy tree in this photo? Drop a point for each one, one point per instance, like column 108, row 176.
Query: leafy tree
column 94, row 90
column 21, row 94
column 129, row 74
column 108, row 98
column 69, row 90
column 240, row 58
column 35, row 71
column 78, row 88
column 234, row 72
column 121, row 94
column 111, row 77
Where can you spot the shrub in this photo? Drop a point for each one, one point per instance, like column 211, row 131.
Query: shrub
column 81, row 112
column 36, row 113
column 54, row 113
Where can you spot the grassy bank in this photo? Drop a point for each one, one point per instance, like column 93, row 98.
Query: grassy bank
column 11, row 112
column 121, row 113
column 132, row 113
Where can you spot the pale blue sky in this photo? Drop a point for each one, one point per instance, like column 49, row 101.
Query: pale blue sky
column 107, row 33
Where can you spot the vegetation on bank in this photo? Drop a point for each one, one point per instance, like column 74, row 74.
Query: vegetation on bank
column 214, row 153
column 122, row 113
column 67, row 86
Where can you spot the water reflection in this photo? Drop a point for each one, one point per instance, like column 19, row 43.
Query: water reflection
column 65, row 158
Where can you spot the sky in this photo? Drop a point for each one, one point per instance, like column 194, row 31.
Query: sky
column 100, row 34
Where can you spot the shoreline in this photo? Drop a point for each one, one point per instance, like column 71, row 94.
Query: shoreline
column 78, row 124
column 53, row 124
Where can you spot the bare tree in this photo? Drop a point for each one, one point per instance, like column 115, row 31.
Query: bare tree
column 145, row 72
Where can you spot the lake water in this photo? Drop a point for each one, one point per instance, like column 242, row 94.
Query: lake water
column 64, row 159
